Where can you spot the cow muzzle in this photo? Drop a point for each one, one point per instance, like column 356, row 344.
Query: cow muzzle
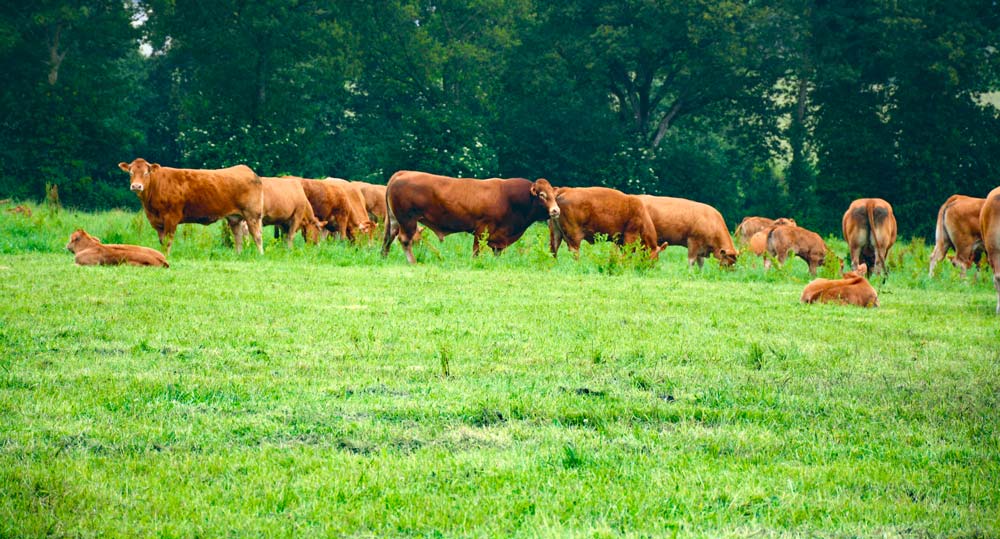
column 136, row 187
column 554, row 212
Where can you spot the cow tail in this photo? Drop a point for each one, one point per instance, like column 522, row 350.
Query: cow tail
column 941, row 231
column 870, row 208
column 391, row 226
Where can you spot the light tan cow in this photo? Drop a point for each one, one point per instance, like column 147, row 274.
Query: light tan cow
column 989, row 226
column 694, row 225
column 91, row 252
column 870, row 230
column 958, row 228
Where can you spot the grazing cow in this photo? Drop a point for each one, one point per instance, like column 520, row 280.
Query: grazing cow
column 806, row 244
column 332, row 203
column 287, row 208
column 374, row 200
column 172, row 196
column 697, row 226
column 752, row 225
column 91, row 252
column 989, row 226
column 357, row 206
column 500, row 209
column 870, row 231
column 853, row 289
column 958, row 229
column 585, row 212
column 758, row 242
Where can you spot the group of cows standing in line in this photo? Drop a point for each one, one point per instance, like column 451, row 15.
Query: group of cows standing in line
column 499, row 211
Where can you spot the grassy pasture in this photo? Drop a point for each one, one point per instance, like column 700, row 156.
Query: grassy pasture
column 326, row 391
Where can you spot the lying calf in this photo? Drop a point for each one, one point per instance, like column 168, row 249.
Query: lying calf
column 91, row 252
column 853, row 289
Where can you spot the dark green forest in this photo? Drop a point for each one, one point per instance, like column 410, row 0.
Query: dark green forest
column 783, row 107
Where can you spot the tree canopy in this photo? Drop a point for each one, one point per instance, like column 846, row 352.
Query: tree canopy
column 781, row 107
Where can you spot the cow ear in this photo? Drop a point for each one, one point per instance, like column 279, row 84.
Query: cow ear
column 534, row 192
column 154, row 167
column 123, row 166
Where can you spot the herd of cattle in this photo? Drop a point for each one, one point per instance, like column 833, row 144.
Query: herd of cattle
column 497, row 212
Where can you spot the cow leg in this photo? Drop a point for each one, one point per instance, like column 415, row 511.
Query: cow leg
column 406, row 242
column 555, row 238
column 477, row 236
column 235, row 226
column 255, row 226
column 855, row 254
column 938, row 254
column 391, row 231
column 290, row 231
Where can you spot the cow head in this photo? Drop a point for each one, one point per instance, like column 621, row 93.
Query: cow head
column 542, row 189
column 80, row 240
column 311, row 228
column 727, row 257
column 784, row 221
column 139, row 172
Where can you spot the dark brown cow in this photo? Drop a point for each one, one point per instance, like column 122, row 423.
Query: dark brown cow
column 172, row 196
column 332, row 203
column 374, row 200
column 870, row 230
column 752, row 225
column 853, row 289
column 287, row 208
column 502, row 209
column 357, row 206
column 694, row 225
column 806, row 244
column 585, row 212
column 91, row 252
column 958, row 229
column 989, row 227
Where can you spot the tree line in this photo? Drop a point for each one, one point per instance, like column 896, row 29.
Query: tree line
column 782, row 107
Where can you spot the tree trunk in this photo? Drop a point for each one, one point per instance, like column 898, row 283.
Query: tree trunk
column 55, row 57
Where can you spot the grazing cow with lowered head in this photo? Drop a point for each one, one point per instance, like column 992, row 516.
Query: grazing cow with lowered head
column 853, row 289
column 91, row 252
column 332, row 203
column 171, row 196
column 694, row 225
column 585, row 212
column 287, row 208
column 752, row 225
column 806, row 244
column 989, row 227
column 357, row 206
column 870, row 230
column 374, row 199
column 500, row 209
column 958, row 228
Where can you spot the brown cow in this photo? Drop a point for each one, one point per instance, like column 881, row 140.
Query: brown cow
column 357, row 207
column 989, row 227
column 374, row 200
column 870, row 230
column 502, row 209
column 752, row 225
column 853, row 289
column 287, row 208
column 332, row 203
column 806, row 244
column 697, row 226
column 172, row 196
column 958, row 229
column 585, row 212
column 758, row 242
column 91, row 252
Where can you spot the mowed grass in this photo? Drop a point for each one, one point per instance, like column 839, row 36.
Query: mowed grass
column 325, row 391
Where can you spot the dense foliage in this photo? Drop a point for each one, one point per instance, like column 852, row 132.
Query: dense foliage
column 780, row 107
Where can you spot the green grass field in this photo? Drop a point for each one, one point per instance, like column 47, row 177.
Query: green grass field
column 325, row 391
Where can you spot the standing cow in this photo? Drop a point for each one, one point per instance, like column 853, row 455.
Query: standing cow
column 287, row 208
column 989, row 227
column 585, row 212
column 500, row 209
column 752, row 225
column 870, row 230
column 374, row 200
column 171, row 196
column 806, row 244
column 694, row 225
column 958, row 228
